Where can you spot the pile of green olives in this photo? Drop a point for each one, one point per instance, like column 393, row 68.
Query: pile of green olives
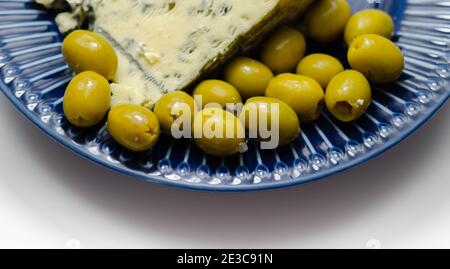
column 282, row 83
column 87, row 100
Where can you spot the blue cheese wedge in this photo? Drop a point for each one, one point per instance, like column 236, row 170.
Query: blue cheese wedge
column 166, row 45
column 126, row 95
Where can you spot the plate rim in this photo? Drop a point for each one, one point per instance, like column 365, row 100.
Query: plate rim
column 403, row 134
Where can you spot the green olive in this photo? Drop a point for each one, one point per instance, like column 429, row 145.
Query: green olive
column 320, row 67
column 262, row 107
column 283, row 50
column 369, row 21
column 325, row 21
column 172, row 108
column 87, row 99
column 302, row 93
column 88, row 51
column 248, row 76
column 217, row 92
column 134, row 127
column 218, row 132
column 348, row 95
column 378, row 58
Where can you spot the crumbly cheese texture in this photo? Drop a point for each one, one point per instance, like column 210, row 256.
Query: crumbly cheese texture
column 166, row 45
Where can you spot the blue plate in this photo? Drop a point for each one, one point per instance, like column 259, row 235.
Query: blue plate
column 33, row 76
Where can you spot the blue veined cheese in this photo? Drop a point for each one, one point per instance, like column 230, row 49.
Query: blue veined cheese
column 66, row 22
column 126, row 95
column 73, row 13
column 166, row 45
column 52, row 3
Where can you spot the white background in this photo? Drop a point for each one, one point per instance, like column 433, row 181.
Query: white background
column 51, row 198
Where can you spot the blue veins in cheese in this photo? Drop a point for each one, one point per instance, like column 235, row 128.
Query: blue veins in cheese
column 166, row 45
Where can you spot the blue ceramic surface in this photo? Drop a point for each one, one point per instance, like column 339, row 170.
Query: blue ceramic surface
column 33, row 76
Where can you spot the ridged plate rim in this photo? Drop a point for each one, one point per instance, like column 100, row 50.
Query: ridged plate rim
column 227, row 188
